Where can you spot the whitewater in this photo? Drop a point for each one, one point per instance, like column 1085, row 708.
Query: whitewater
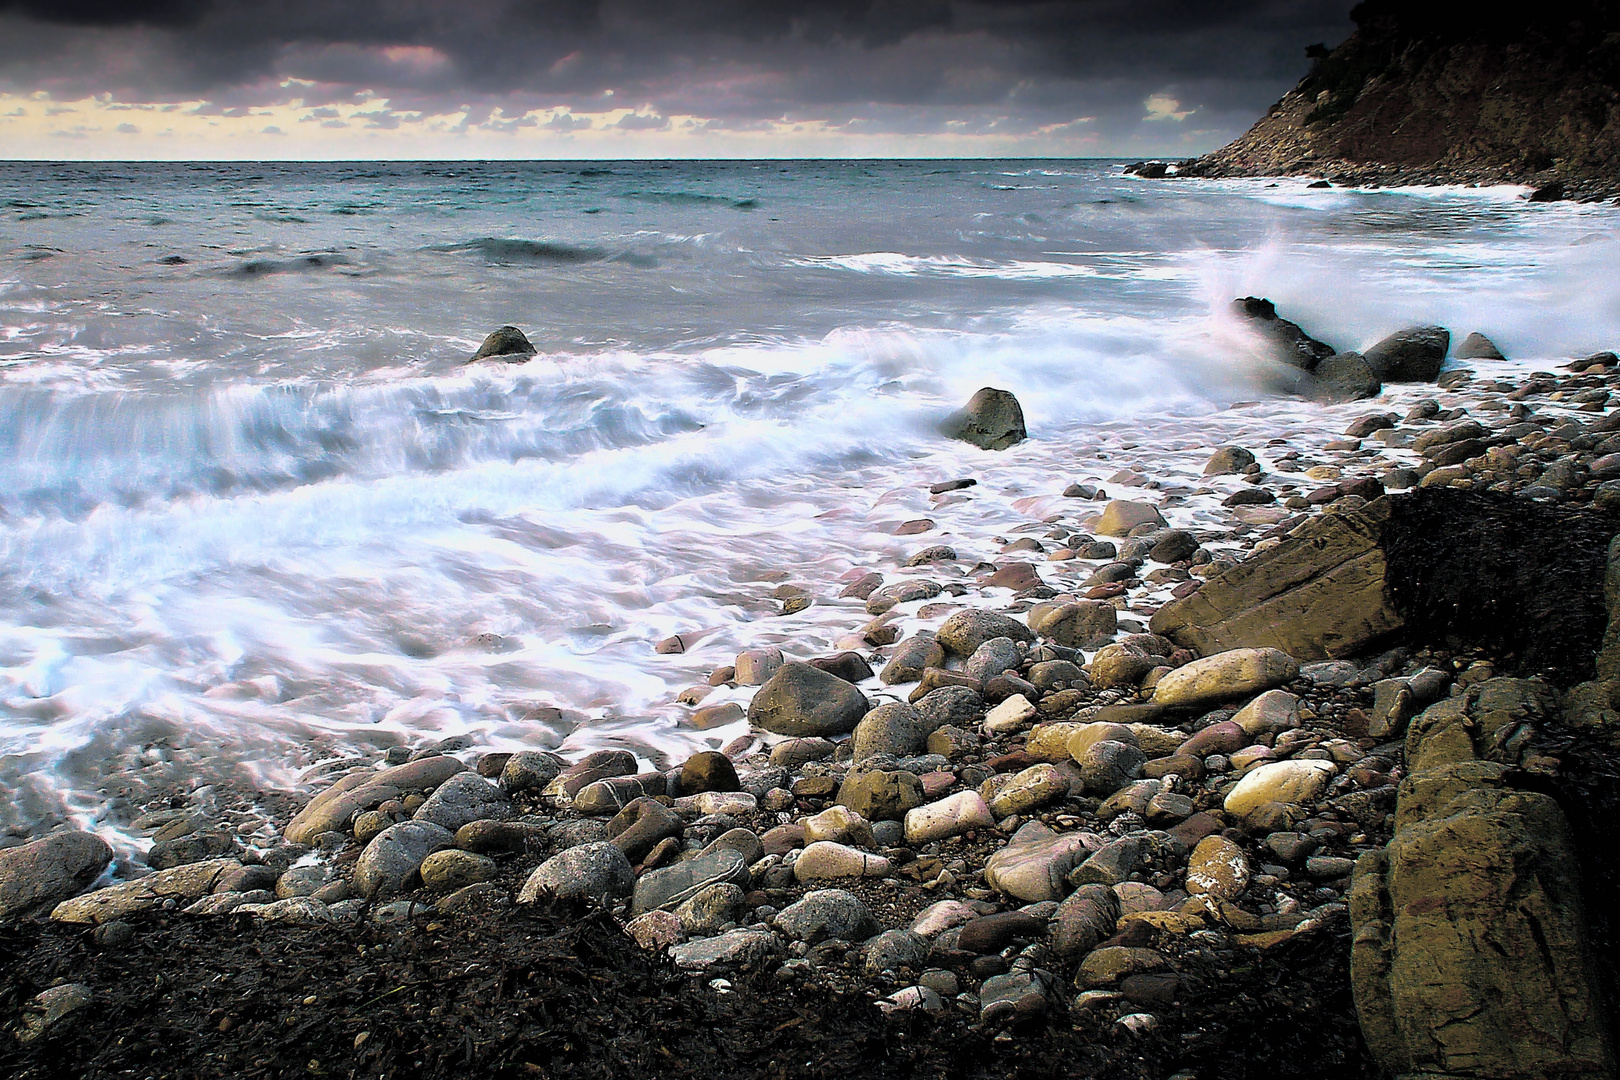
column 257, row 512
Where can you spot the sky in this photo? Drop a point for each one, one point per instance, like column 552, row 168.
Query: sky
column 458, row 79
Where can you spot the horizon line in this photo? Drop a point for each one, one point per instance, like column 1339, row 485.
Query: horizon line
column 561, row 160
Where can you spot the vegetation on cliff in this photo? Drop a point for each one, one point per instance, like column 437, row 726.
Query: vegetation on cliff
column 1443, row 92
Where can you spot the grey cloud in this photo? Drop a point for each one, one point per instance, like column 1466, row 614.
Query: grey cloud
column 639, row 122
column 566, row 122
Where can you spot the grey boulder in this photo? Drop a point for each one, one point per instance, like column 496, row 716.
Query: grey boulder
column 991, row 420
column 587, row 872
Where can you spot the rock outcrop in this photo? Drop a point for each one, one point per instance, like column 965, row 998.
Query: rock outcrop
column 1440, row 93
column 1469, row 956
column 1520, row 578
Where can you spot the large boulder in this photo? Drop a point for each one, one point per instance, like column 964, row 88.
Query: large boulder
column 1414, row 565
column 804, row 700
column 507, row 343
column 1281, row 340
column 36, row 876
column 1415, row 354
column 991, row 420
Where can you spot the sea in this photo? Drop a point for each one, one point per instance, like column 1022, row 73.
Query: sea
column 259, row 515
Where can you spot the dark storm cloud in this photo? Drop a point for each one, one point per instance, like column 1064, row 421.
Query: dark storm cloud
column 1043, row 61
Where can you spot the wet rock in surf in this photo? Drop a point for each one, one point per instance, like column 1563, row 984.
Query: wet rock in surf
column 508, row 343
column 1477, row 346
column 991, row 420
column 1284, row 341
column 1415, row 354
column 1344, row 377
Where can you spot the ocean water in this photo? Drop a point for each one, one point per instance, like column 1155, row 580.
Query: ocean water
column 256, row 511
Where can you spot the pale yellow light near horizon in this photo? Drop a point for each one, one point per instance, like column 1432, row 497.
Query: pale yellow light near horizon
column 39, row 127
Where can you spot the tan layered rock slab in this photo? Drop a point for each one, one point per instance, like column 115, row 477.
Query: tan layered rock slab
column 1318, row 595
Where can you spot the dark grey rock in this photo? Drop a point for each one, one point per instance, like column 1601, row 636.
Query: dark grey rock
column 1345, row 377
column 894, row 950
column 804, row 700
column 508, row 343
column 1283, row 341
column 464, row 798
column 1415, row 354
column 824, row 914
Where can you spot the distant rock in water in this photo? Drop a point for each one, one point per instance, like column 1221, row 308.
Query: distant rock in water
column 1441, row 93
column 1415, row 354
column 1477, row 346
column 992, row 420
column 508, row 343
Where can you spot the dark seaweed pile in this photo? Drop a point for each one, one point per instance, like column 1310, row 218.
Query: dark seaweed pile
column 567, row 994
column 1520, row 579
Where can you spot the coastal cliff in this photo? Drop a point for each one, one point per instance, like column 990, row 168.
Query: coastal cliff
column 1443, row 93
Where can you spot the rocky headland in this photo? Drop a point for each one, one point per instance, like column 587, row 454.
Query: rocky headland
column 1442, row 93
column 1288, row 757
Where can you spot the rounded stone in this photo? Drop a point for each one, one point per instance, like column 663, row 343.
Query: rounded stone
column 529, row 771
column 896, row 950
column 966, row 630
column 802, row 700
column 1217, row 868
column 894, row 728
column 1108, row 766
column 449, row 870
column 590, row 871
column 390, row 862
column 825, row 914
column 991, row 420
column 1225, row 675
column 506, row 343
column 709, row 770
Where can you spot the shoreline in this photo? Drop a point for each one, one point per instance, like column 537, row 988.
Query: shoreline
column 1166, row 953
